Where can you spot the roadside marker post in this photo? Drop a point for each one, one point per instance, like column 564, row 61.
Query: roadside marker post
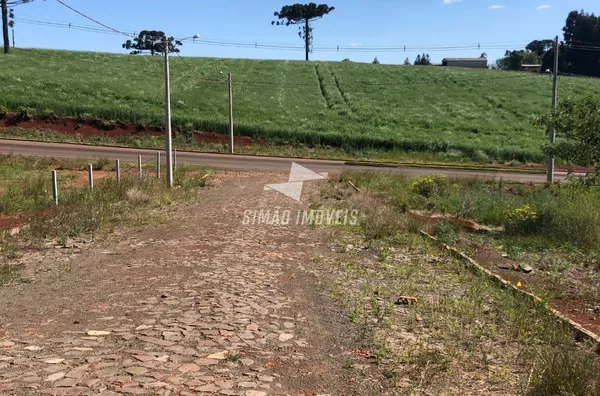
column 158, row 165
column 118, row 170
column 140, row 166
column 54, row 188
column 90, row 177
column 174, row 159
column 229, row 84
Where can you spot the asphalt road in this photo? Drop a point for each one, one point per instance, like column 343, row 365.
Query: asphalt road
column 246, row 162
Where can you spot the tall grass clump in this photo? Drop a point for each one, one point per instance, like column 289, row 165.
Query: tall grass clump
column 32, row 193
column 567, row 215
column 84, row 211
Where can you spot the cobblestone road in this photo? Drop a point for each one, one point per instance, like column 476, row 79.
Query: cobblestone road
column 198, row 304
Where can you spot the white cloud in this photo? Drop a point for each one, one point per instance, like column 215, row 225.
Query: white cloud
column 356, row 44
column 452, row 1
column 496, row 7
column 543, row 7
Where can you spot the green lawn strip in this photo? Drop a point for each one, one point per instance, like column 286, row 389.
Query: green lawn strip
column 477, row 114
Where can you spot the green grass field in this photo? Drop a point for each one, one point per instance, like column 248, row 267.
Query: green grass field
column 463, row 112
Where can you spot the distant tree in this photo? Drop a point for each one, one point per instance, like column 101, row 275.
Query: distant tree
column 514, row 60
column 407, row 62
column 423, row 60
column 540, row 47
column 153, row 41
column 6, row 15
column 501, row 64
column 302, row 14
column 483, row 55
column 346, row 60
column 530, row 58
column 576, row 53
column 581, row 32
column 375, row 61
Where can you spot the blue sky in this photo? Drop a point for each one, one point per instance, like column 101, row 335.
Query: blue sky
column 354, row 23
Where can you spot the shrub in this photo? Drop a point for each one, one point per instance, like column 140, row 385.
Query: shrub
column 381, row 222
column 429, row 186
column 100, row 164
column 454, row 153
column 522, row 220
column 447, row 232
column 480, row 156
column 564, row 372
column 137, row 196
column 577, row 220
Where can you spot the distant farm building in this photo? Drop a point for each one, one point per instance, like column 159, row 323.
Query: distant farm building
column 532, row 68
column 465, row 62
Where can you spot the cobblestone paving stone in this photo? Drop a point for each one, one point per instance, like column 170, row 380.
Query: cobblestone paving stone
column 196, row 305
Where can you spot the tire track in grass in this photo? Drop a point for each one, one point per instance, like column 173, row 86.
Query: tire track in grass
column 283, row 80
column 342, row 92
column 330, row 92
column 322, row 87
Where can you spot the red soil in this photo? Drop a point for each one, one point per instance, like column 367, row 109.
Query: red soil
column 91, row 128
column 9, row 222
column 81, row 177
column 572, row 306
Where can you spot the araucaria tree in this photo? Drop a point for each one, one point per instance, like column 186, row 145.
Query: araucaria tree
column 153, row 41
column 304, row 15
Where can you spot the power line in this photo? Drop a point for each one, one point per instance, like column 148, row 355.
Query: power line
column 285, row 47
column 288, row 47
column 91, row 19
column 17, row 3
column 193, row 71
column 407, row 48
column 582, row 48
column 586, row 42
column 66, row 26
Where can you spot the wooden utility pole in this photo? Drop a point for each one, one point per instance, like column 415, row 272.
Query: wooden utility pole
column 13, row 37
column 5, row 26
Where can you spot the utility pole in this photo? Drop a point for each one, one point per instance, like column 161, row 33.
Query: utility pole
column 5, row 26
column 307, row 37
column 13, row 37
column 169, row 136
column 231, row 148
column 554, row 96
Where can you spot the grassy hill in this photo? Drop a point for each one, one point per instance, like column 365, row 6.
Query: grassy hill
column 346, row 105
